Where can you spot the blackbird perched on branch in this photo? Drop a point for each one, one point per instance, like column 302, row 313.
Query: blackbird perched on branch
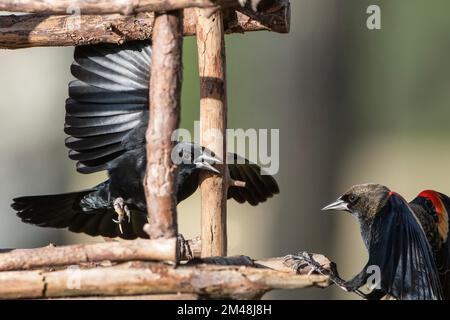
column 106, row 118
column 407, row 243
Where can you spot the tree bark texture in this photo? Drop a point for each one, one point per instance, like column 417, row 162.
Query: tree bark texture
column 165, row 99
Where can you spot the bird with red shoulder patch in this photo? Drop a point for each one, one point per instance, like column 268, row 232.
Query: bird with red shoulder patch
column 401, row 262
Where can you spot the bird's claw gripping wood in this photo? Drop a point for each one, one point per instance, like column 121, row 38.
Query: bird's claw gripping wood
column 122, row 210
column 293, row 262
column 185, row 249
column 305, row 259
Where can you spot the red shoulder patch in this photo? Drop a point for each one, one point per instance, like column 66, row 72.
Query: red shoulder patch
column 441, row 211
column 433, row 196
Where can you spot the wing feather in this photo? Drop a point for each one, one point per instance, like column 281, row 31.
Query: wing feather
column 400, row 249
column 107, row 109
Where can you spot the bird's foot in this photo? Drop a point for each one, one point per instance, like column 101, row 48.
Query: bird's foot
column 184, row 247
column 122, row 210
column 305, row 259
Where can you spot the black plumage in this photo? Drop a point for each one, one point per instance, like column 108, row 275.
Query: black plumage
column 400, row 248
column 106, row 120
column 397, row 244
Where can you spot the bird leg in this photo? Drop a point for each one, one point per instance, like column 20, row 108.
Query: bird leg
column 122, row 210
column 306, row 259
column 185, row 249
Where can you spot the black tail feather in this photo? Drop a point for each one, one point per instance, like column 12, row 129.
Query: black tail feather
column 55, row 211
column 64, row 211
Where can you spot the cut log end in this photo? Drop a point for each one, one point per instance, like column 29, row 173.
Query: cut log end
column 236, row 183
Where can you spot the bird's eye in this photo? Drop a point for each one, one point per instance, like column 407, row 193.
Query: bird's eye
column 186, row 156
column 180, row 154
column 352, row 198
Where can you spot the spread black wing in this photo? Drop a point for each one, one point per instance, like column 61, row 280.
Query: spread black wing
column 106, row 118
column 401, row 250
column 106, row 113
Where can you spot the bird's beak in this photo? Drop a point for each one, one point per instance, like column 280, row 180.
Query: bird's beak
column 206, row 161
column 339, row 204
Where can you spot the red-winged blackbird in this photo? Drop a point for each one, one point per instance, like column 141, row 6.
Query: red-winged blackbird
column 432, row 208
column 395, row 235
column 106, row 118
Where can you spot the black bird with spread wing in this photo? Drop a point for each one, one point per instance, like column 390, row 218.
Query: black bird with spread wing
column 106, row 119
column 402, row 263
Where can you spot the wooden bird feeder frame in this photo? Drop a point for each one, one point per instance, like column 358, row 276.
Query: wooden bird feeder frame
column 138, row 269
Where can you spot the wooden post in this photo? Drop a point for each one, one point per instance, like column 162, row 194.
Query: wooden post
column 165, row 92
column 213, row 119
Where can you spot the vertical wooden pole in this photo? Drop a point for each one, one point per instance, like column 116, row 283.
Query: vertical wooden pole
column 165, row 92
column 213, row 123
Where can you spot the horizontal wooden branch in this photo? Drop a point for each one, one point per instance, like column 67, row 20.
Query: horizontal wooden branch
column 107, row 6
column 141, row 278
column 166, row 296
column 33, row 30
column 140, row 249
column 154, row 250
column 37, row 30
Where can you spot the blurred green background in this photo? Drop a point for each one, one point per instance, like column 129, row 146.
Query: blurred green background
column 352, row 105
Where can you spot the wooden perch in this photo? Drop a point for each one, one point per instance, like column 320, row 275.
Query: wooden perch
column 125, row 7
column 115, row 251
column 247, row 281
column 160, row 183
column 213, row 123
column 127, row 250
column 91, row 269
column 37, row 30
column 166, row 296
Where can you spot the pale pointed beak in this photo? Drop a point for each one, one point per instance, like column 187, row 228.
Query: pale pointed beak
column 205, row 162
column 339, row 204
column 208, row 158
